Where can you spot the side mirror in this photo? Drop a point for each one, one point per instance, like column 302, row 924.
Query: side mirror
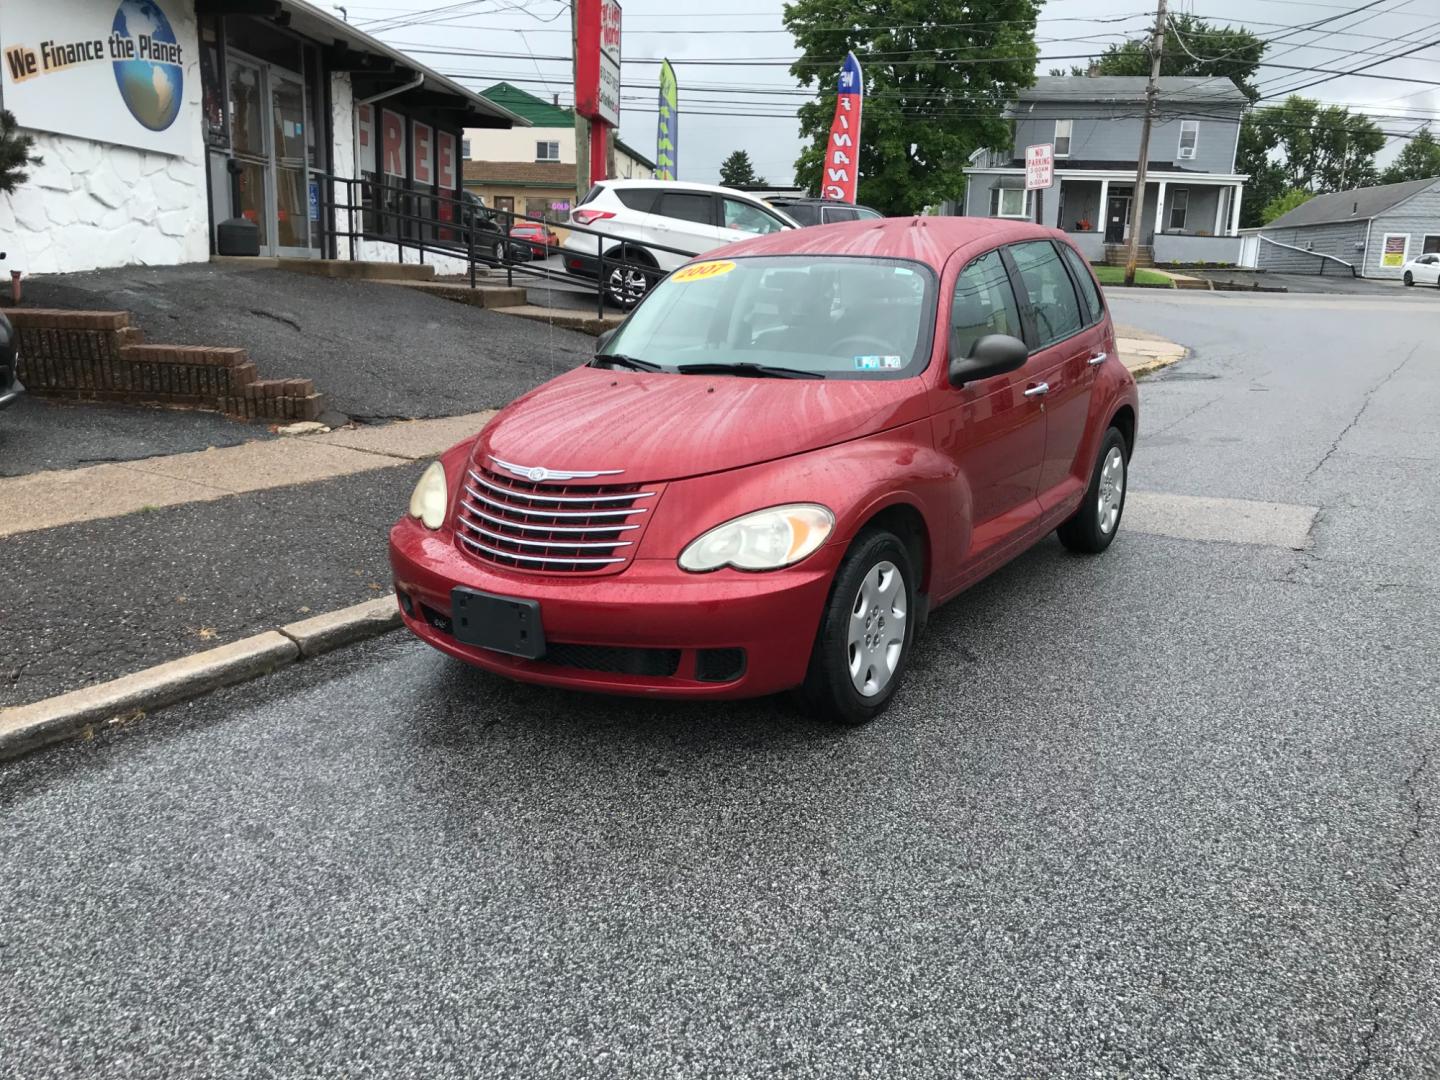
column 993, row 354
column 604, row 340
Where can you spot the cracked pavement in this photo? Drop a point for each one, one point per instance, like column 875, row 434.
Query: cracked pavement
column 1166, row 813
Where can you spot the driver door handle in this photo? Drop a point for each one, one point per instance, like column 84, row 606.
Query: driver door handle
column 1037, row 389
column 1099, row 358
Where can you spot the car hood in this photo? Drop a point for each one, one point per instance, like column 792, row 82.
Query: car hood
column 659, row 427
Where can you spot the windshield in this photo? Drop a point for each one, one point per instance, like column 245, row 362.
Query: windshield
column 837, row 317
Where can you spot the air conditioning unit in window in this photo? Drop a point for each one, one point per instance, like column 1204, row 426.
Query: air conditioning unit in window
column 1186, row 153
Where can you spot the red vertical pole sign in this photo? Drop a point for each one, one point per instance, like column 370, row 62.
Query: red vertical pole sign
column 597, row 76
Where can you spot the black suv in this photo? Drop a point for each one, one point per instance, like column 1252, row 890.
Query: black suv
column 822, row 211
column 491, row 241
column 10, row 387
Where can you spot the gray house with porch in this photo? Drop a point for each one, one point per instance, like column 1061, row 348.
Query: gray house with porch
column 1369, row 232
column 1190, row 209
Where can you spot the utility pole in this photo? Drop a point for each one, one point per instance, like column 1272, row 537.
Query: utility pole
column 1142, row 162
column 582, row 125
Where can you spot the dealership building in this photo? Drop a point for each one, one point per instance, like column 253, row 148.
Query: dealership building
column 159, row 120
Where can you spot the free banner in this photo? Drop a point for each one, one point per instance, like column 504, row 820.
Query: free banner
column 842, row 149
column 667, row 137
column 117, row 72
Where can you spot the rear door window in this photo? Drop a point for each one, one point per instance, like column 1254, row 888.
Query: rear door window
column 803, row 213
column 984, row 304
column 1088, row 292
column 641, row 199
column 841, row 213
column 687, row 206
column 1048, row 292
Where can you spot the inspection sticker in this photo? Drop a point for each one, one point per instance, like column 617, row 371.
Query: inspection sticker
column 703, row 271
column 879, row 363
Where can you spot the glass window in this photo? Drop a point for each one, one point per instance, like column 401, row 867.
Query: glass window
column 1086, row 281
column 1009, row 202
column 984, row 304
column 840, row 317
column 1189, row 138
column 841, row 213
column 547, row 151
column 641, row 199
column 749, row 218
column 866, row 214
column 464, row 149
column 1179, row 207
column 1062, row 137
column 1051, row 297
column 803, row 213
column 687, row 206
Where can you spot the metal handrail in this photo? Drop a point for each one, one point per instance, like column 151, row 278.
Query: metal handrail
column 1317, row 254
column 466, row 232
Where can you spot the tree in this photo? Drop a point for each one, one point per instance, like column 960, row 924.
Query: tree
column 737, row 171
column 1193, row 46
column 1267, row 178
column 1320, row 149
column 1419, row 160
column 15, row 153
column 937, row 76
column 1284, row 203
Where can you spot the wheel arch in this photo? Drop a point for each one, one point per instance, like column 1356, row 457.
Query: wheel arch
column 906, row 521
column 1124, row 419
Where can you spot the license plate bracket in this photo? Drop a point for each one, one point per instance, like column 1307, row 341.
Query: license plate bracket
column 503, row 624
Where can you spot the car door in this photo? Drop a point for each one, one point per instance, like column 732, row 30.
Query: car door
column 685, row 220
column 1066, row 338
column 991, row 429
column 1432, row 269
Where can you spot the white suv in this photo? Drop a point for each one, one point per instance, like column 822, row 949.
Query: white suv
column 632, row 214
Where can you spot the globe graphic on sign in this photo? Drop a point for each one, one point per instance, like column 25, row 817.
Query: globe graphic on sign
column 151, row 90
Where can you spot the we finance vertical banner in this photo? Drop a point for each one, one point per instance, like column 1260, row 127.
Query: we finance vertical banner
column 842, row 150
column 667, row 136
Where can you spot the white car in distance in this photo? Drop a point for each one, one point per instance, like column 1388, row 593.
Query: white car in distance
column 634, row 214
column 1422, row 270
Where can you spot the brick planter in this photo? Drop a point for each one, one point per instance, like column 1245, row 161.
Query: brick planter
column 99, row 356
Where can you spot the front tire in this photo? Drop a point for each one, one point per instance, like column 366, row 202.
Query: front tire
column 1409, row 278
column 1091, row 528
column 866, row 633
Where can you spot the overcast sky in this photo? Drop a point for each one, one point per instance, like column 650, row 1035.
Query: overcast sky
column 751, row 33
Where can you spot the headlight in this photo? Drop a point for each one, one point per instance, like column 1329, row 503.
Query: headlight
column 764, row 540
column 428, row 500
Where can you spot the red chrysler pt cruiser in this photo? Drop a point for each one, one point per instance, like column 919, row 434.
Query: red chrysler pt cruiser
column 778, row 464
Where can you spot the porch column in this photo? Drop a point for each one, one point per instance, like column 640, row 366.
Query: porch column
column 1220, row 219
column 1237, row 190
column 1100, row 218
column 1159, row 208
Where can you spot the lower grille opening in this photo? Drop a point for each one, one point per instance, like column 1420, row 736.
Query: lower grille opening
column 661, row 663
column 720, row 665
column 435, row 619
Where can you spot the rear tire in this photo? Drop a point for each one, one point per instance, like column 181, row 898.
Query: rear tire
column 625, row 286
column 1091, row 528
column 497, row 253
column 866, row 632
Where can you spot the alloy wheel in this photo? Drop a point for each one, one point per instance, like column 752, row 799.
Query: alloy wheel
column 877, row 629
column 627, row 285
column 1112, row 490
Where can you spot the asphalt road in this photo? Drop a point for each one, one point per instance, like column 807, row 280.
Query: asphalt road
column 374, row 351
column 1169, row 812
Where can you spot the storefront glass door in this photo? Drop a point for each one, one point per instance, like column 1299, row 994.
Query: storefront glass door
column 268, row 137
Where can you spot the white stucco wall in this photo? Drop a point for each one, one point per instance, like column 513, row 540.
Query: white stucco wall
column 92, row 204
column 342, row 155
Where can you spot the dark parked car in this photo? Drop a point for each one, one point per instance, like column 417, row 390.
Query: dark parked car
column 491, row 243
column 10, row 387
column 823, row 211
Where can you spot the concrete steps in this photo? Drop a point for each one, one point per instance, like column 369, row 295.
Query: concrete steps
column 1117, row 254
column 482, row 296
column 333, row 268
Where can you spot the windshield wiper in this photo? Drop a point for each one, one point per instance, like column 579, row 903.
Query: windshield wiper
column 620, row 360
column 759, row 371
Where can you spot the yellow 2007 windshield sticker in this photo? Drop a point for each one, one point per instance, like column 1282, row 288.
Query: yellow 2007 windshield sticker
column 703, row 271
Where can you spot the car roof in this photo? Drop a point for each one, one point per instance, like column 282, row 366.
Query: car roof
column 681, row 185
column 930, row 240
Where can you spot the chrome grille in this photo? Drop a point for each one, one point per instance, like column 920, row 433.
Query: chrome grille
column 550, row 527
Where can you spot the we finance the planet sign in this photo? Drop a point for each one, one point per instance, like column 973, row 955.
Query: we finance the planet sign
column 117, row 74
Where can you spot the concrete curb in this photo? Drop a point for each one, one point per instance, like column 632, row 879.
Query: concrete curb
column 27, row 727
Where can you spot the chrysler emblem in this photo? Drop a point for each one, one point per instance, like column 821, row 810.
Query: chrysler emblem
column 538, row 474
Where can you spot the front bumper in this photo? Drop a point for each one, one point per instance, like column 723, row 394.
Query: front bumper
column 650, row 607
